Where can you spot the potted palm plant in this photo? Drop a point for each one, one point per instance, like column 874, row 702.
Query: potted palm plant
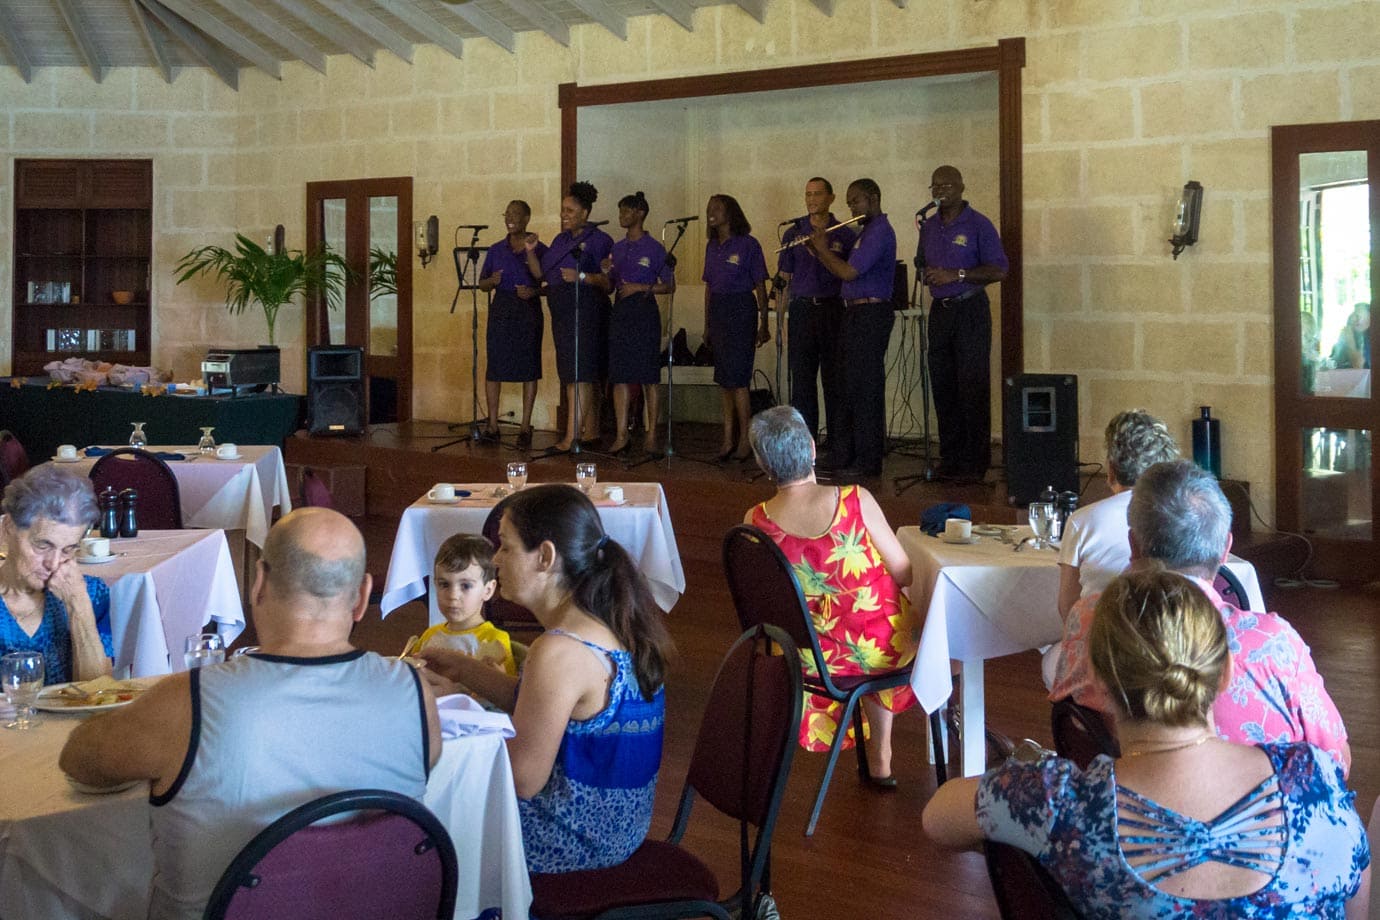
column 255, row 275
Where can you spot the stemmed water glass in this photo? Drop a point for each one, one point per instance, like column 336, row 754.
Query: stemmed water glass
column 517, row 475
column 137, row 438
column 207, row 445
column 203, row 649
column 586, row 475
column 1042, row 523
column 21, row 674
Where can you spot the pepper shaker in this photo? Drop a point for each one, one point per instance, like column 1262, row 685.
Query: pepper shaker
column 129, row 521
column 110, row 517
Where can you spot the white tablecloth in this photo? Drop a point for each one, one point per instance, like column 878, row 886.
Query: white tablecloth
column 229, row 494
column 642, row 524
column 164, row 586
column 984, row 601
column 66, row 855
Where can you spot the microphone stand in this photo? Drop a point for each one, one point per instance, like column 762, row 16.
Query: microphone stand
column 901, row 483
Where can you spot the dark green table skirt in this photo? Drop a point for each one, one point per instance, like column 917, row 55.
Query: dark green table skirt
column 42, row 418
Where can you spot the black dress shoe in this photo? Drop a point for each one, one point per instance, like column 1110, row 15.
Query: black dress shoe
column 524, row 439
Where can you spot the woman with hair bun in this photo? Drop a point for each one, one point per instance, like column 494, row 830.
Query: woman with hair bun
column 589, row 705
column 577, row 293
column 637, row 270
column 1183, row 823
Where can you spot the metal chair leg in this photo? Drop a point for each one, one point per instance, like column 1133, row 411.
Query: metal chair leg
column 834, row 750
column 941, row 767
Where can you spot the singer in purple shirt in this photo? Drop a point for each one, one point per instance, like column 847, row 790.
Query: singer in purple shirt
column 869, row 280
column 513, row 339
column 963, row 254
column 577, row 293
column 735, row 279
column 637, row 270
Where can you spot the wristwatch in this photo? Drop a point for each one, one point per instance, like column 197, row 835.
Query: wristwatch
column 961, row 274
column 581, row 276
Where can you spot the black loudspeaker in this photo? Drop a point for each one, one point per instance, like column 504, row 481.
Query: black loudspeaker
column 335, row 389
column 1040, row 435
column 900, row 288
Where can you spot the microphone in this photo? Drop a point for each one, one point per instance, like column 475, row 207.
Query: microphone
column 472, row 227
column 595, row 223
column 683, row 220
column 793, row 220
column 930, row 206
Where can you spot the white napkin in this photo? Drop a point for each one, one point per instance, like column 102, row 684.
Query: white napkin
column 461, row 717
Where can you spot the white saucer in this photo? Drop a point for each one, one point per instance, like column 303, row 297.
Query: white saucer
column 77, row 459
column 961, row 542
column 988, row 530
column 96, row 560
column 444, row 501
column 236, row 457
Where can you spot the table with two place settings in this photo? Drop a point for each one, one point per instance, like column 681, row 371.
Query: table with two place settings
column 984, row 600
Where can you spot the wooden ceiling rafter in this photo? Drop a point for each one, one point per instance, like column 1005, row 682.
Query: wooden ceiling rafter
column 491, row 27
column 347, row 39
column 208, row 53
column 605, row 15
column 370, row 25
column 152, row 32
column 556, row 28
column 227, row 36
column 81, row 36
column 426, row 25
column 679, row 10
column 275, row 32
column 14, row 46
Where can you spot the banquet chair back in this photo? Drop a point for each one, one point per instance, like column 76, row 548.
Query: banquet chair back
column 1230, row 589
column 395, row 860
column 740, row 764
column 498, row 610
column 1080, row 733
column 14, row 459
column 1023, row 888
column 765, row 590
column 314, row 492
column 160, row 501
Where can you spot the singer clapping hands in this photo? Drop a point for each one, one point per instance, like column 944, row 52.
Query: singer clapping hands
column 513, row 340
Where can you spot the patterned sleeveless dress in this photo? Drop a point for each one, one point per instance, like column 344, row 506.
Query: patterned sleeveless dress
column 864, row 622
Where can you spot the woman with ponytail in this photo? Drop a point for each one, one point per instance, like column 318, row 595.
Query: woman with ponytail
column 1183, row 824
column 589, row 705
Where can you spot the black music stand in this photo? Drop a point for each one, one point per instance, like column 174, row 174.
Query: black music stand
column 901, row 483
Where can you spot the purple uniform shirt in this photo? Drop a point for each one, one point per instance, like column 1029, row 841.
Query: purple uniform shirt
column 734, row 267
column 809, row 277
column 597, row 246
column 968, row 241
column 873, row 257
column 514, row 266
column 639, row 262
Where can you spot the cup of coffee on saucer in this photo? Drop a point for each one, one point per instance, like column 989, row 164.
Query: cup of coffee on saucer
column 441, row 492
column 67, row 452
column 228, row 450
column 94, row 548
column 958, row 530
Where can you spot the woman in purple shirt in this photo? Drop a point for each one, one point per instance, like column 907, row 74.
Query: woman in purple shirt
column 637, row 271
column 577, row 293
column 735, row 278
column 513, row 340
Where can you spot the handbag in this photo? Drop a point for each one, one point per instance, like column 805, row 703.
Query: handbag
column 763, row 397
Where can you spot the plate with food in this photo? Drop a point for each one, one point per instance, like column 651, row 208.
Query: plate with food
column 96, row 695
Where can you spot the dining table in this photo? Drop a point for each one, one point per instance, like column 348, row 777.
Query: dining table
column 72, row 855
column 985, row 599
column 640, row 522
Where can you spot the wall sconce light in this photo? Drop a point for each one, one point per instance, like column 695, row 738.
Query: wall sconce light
column 428, row 239
column 1186, row 221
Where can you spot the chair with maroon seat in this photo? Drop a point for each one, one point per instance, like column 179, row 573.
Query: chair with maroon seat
column 397, row 862
column 14, row 460
column 1080, row 733
column 314, row 493
column 500, row 611
column 765, row 590
column 1023, row 888
column 1230, row 589
column 740, row 764
column 160, row 501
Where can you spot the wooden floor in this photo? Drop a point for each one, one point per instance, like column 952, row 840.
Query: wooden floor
column 868, row 857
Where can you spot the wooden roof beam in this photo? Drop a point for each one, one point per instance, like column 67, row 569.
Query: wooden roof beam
column 14, row 46
column 211, row 55
column 226, row 35
column 276, row 32
column 604, row 14
column 683, row 13
column 86, row 47
column 555, row 27
column 371, row 26
column 425, row 24
column 757, row 9
column 345, row 38
column 489, row 26
column 153, row 37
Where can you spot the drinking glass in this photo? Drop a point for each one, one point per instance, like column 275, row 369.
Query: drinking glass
column 586, row 475
column 207, row 445
column 203, row 649
column 1042, row 522
column 21, row 674
column 517, row 475
column 137, row 438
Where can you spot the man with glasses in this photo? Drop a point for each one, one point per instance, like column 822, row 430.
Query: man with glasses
column 963, row 254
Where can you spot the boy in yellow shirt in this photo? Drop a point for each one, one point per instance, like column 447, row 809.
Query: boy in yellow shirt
column 464, row 579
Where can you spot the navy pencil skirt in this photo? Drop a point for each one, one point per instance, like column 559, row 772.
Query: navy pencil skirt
column 733, row 336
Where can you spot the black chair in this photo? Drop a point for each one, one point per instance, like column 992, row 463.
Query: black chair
column 160, row 501
column 398, row 862
column 14, row 460
column 1080, row 733
column 1229, row 587
column 740, row 764
column 1024, row 890
column 500, row 611
column 765, row 590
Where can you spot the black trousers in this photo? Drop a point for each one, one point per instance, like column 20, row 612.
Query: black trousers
column 859, row 432
column 812, row 351
column 960, row 378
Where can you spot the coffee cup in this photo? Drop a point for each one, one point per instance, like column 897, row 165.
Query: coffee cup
column 67, row 452
column 613, row 493
column 442, row 492
column 228, row 450
column 958, row 530
column 95, row 547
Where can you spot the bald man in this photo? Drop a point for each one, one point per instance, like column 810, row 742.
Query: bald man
column 231, row 747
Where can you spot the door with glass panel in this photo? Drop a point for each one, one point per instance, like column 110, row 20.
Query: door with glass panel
column 1326, row 406
column 368, row 221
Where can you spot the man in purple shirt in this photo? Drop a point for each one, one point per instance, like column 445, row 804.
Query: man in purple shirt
column 963, row 255
column 869, row 279
column 815, row 309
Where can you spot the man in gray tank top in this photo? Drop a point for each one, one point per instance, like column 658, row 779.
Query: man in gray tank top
column 231, row 747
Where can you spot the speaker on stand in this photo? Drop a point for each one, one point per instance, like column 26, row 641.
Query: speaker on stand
column 335, row 390
column 1040, row 435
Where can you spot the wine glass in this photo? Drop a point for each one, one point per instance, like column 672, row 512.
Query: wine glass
column 1042, row 522
column 21, row 674
column 517, row 475
column 137, row 438
column 207, row 445
column 586, row 475
column 203, row 649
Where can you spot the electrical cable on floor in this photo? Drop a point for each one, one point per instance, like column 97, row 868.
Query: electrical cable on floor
column 1297, row 578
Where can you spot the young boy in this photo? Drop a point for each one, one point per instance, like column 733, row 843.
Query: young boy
column 463, row 579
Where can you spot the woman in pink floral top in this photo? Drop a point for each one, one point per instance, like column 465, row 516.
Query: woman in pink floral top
column 851, row 569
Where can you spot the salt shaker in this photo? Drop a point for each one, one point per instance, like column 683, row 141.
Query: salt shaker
column 129, row 520
column 110, row 517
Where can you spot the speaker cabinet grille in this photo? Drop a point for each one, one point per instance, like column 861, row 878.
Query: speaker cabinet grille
column 335, row 390
column 1040, row 435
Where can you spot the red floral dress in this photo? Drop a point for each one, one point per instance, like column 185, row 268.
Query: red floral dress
column 864, row 622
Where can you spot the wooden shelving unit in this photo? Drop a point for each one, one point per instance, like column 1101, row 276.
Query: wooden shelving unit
column 82, row 229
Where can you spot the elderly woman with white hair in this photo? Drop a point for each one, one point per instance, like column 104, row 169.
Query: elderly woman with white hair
column 851, row 569
column 46, row 604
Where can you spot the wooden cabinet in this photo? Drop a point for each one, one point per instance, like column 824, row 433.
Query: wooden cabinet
column 83, row 229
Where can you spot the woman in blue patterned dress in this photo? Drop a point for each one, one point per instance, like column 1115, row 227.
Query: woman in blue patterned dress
column 1184, row 824
column 46, row 604
column 589, row 706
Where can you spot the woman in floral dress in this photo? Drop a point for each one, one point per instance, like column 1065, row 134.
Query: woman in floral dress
column 851, row 569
